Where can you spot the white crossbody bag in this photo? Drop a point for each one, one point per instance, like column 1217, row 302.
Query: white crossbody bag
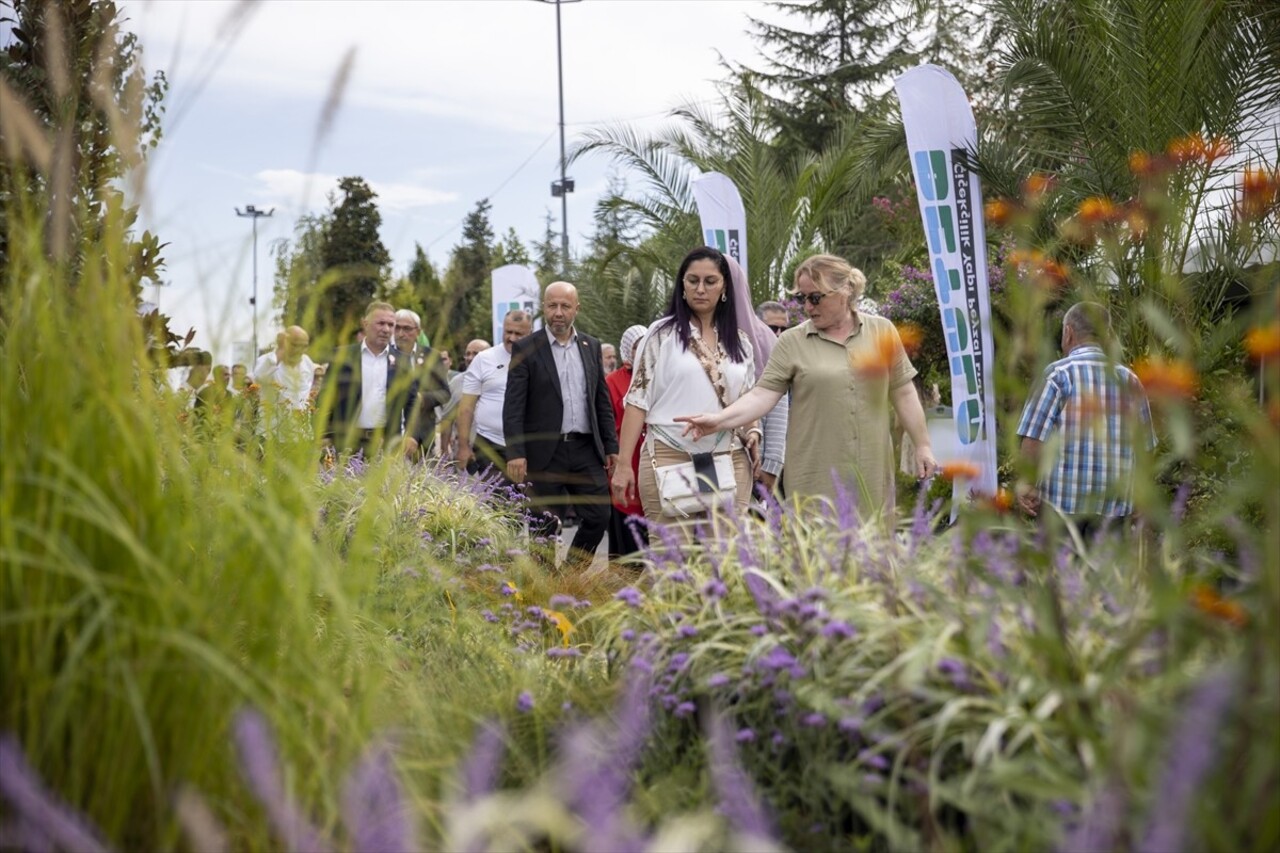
column 703, row 484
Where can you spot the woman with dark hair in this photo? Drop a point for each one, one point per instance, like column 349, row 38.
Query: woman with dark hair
column 698, row 355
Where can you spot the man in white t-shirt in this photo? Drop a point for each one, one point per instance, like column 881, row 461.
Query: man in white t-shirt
column 286, row 387
column 268, row 360
column 481, row 443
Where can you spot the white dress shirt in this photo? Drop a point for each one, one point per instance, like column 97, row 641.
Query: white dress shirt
column 373, row 387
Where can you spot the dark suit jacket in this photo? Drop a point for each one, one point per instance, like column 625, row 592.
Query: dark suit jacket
column 344, row 381
column 432, row 387
column 533, row 410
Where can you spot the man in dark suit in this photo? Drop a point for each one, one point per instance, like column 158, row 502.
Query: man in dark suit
column 373, row 396
column 558, row 421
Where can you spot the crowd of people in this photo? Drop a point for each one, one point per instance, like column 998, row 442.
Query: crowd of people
column 693, row 414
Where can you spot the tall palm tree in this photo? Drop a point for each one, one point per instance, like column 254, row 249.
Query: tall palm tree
column 793, row 202
column 1089, row 84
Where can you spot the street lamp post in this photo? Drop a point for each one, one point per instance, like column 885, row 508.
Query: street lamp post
column 255, row 214
column 560, row 189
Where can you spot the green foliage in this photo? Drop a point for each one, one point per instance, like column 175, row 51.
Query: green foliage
column 467, row 290
column 837, row 59
column 77, row 113
column 352, row 253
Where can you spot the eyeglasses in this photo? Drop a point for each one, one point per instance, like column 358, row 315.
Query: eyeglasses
column 812, row 298
column 406, row 328
column 704, row 284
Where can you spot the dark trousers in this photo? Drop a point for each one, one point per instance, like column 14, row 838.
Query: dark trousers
column 627, row 533
column 488, row 456
column 574, row 480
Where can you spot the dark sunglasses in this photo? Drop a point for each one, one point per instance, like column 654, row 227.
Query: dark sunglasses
column 812, row 298
column 777, row 330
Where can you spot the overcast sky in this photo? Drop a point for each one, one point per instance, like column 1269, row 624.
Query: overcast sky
column 445, row 100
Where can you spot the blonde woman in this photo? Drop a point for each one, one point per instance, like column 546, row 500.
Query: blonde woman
column 845, row 371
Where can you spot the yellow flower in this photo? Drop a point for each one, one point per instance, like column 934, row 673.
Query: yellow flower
column 562, row 623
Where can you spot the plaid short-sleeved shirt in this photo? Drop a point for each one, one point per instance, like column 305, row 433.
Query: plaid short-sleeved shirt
column 1091, row 414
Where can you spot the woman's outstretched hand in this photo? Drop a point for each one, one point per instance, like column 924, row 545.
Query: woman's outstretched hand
column 699, row 426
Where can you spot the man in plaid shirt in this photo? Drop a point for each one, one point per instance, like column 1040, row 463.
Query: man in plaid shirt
column 1083, row 428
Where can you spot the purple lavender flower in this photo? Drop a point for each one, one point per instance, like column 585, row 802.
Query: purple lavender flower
column 687, row 631
column 718, row 680
column 629, row 594
column 560, row 601
column 257, row 751
column 764, row 595
column 48, row 824
column 715, row 589
column 873, row 759
column 777, row 658
column 1100, row 827
column 596, row 766
column 524, row 702
column 678, row 661
column 836, row 629
column 374, row 806
column 745, row 736
column 560, row 653
column 851, row 725
column 956, row 671
column 479, row 770
column 488, row 616
column 813, row 720
column 738, row 799
column 507, row 588
column 627, row 635
column 759, row 630
column 1191, row 755
column 685, row 709
column 534, row 610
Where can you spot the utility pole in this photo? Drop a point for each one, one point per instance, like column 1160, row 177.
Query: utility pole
column 255, row 214
column 560, row 189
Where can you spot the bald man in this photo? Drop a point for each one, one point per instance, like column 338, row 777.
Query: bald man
column 558, row 422
column 286, row 385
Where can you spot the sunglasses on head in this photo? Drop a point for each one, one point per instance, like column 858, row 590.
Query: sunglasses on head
column 812, row 298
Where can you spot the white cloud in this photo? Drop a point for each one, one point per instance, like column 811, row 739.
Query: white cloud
column 300, row 191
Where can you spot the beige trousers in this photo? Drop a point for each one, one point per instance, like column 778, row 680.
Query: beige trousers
column 667, row 455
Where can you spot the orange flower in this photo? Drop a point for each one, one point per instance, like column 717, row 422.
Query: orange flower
column 959, row 470
column 1052, row 275
column 1259, row 189
column 1207, row 600
column 912, row 337
column 1263, row 341
column 1187, row 148
column 1036, row 185
column 1138, row 223
column 999, row 212
column 877, row 362
column 1097, row 210
column 1002, row 500
column 1168, row 380
column 1143, row 164
column 1019, row 257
